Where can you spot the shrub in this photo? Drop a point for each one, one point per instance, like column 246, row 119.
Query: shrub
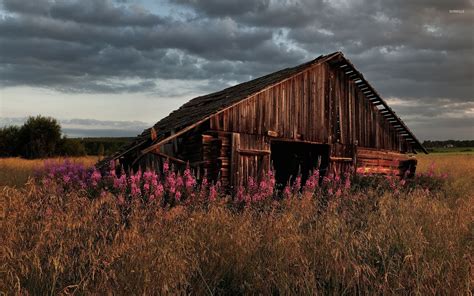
column 71, row 147
column 39, row 137
column 9, row 141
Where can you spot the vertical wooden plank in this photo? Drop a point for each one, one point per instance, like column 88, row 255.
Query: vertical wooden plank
column 322, row 122
column 234, row 158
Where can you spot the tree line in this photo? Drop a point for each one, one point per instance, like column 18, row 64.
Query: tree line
column 41, row 137
column 449, row 143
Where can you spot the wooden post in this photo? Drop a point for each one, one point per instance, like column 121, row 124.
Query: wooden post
column 234, row 159
column 354, row 156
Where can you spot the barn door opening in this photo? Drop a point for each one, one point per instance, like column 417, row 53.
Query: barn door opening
column 289, row 159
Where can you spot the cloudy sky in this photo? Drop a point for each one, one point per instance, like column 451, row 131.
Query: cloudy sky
column 114, row 67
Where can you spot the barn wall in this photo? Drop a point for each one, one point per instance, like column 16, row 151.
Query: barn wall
column 250, row 157
column 320, row 105
column 290, row 108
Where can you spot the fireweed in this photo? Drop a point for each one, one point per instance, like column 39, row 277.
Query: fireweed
column 171, row 187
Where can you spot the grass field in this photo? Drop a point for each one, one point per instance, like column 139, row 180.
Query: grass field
column 418, row 242
column 16, row 171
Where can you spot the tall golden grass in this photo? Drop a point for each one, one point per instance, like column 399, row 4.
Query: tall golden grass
column 418, row 243
column 15, row 171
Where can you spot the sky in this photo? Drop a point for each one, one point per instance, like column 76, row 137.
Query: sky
column 115, row 67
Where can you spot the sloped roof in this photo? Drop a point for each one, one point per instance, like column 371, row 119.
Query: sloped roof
column 201, row 108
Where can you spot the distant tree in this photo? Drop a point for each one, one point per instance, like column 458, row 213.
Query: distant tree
column 100, row 151
column 39, row 137
column 454, row 143
column 70, row 147
column 9, row 140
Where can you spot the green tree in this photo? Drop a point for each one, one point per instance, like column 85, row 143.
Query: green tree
column 9, row 140
column 70, row 147
column 39, row 137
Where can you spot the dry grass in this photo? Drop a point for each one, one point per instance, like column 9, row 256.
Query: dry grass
column 417, row 244
column 15, row 171
column 460, row 168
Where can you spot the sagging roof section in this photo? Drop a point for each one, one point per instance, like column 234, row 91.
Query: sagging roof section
column 202, row 108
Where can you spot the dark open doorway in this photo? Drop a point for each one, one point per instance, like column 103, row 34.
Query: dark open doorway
column 292, row 158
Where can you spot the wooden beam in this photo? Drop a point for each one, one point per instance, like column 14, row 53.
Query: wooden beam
column 333, row 158
column 253, row 151
column 129, row 149
column 174, row 159
column 272, row 134
column 184, row 130
column 299, row 141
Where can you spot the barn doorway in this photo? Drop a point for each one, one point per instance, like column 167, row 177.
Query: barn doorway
column 289, row 159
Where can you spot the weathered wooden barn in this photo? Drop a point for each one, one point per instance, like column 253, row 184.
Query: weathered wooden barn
column 322, row 114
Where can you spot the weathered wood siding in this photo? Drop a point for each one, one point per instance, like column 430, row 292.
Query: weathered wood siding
column 320, row 105
column 216, row 156
column 384, row 161
column 250, row 156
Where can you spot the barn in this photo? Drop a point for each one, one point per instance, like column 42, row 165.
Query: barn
column 322, row 114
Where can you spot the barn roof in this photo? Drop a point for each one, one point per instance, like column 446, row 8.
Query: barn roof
column 201, row 108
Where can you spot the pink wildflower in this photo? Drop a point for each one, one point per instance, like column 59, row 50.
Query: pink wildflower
column 120, row 183
column 287, row 191
column 212, row 193
column 178, row 195
column 190, row 181
column 95, row 177
column 179, row 181
column 312, row 181
column 159, row 190
column 297, row 184
column 347, row 184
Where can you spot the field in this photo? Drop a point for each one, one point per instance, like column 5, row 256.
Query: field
column 16, row 171
column 370, row 241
